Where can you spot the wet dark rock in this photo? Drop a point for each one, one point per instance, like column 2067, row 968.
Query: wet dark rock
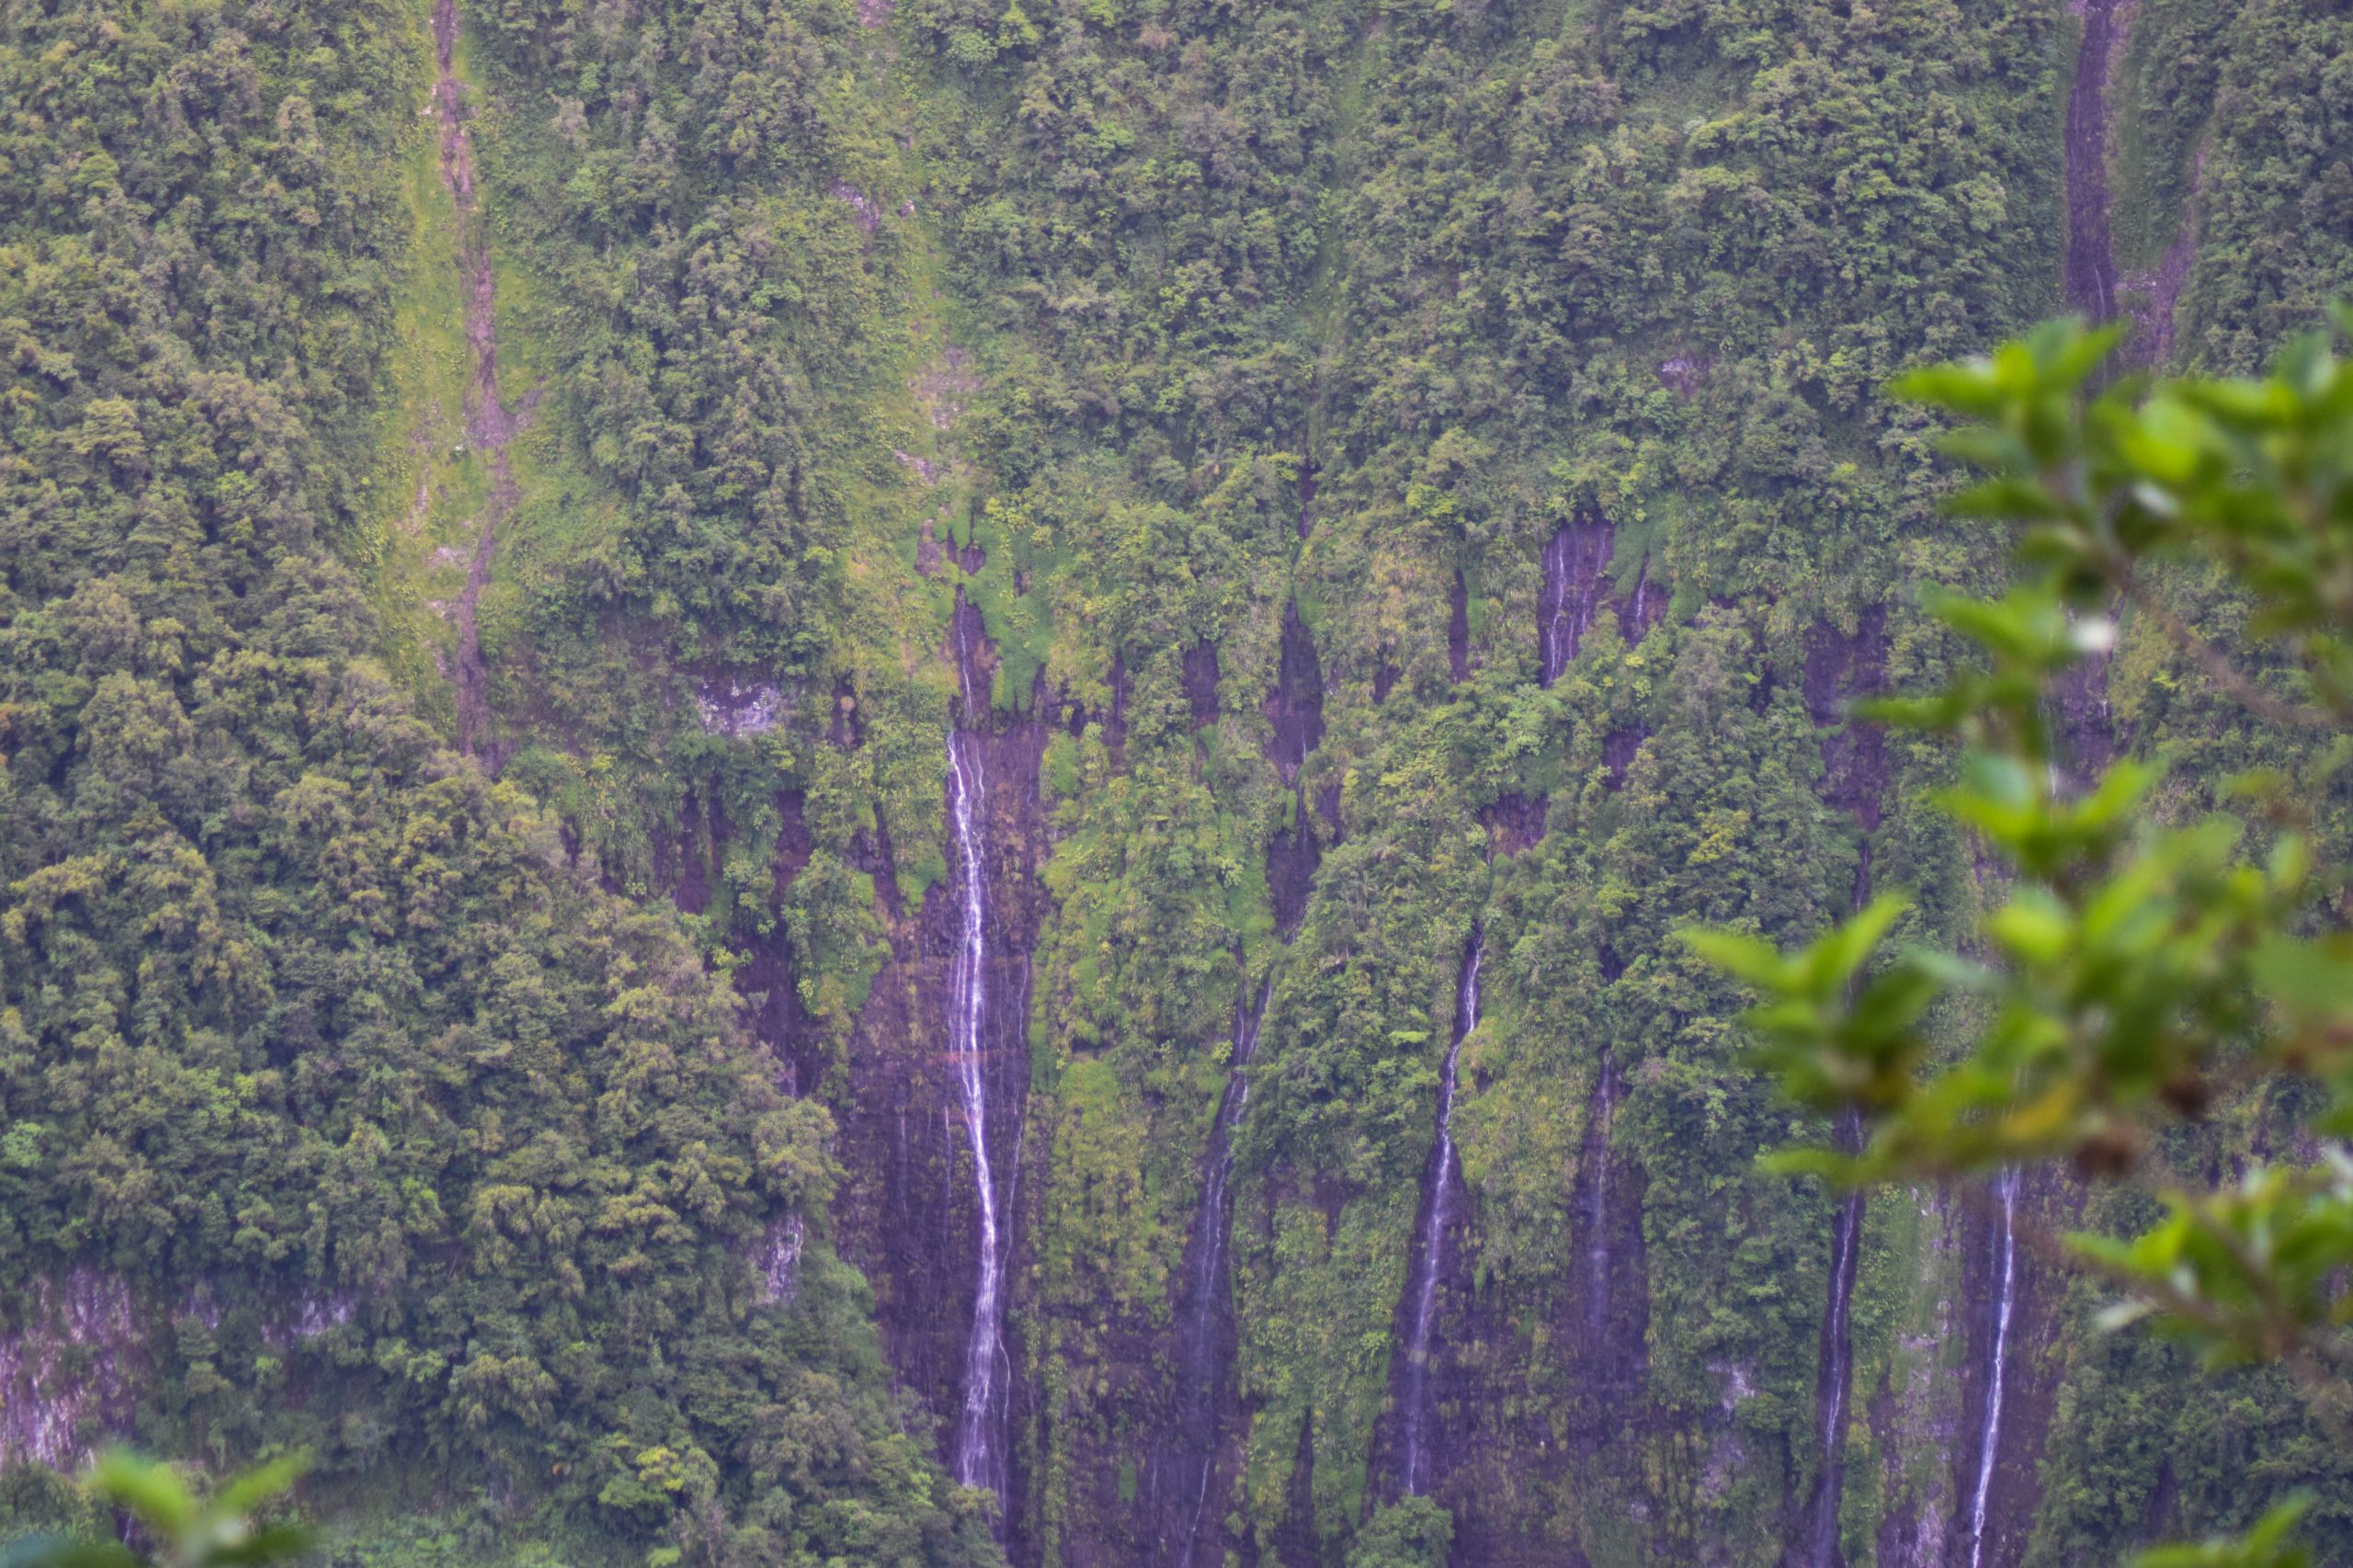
column 1457, row 630
column 1297, row 1543
column 1620, row 748
column 1199, row 1446
column 1327, row 806
column 2091, row 279
column 2013, row 1485
column 1295, row 708
column 908, row 1213
column 1422, row 1453
column 1643, row 609
column 2083, row 723
column 1841, row 668
column 685, row 867
column 1200, row 682
column 769, row 979
column 1292, row 856
column 1576, row 573
column 1514, row 821
column 1115, row 723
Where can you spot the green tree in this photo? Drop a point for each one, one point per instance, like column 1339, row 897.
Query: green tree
column 2159, row 951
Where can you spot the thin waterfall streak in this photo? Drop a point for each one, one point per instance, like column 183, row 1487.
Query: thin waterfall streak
column 1990, row 1437
column 1597, row 1246
column 1432, row 1249
column 1838, row 1373
column 1557, row 567
column 975, row 1455
column 1197, row 1416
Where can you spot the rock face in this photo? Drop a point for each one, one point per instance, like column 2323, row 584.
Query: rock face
column 1295, row 710
column 1577, row 582
column 1198, row 1447
column 935, row 1088
column 1434, row 1246
column 1202, row 683
column 2091, row 258
column 1841, row 667
column 2008, row 1384
column 67, row 1369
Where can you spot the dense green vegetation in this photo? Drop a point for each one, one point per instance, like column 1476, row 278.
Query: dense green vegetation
column 402, row 1142
column 405, row 1089
column 2139, row 968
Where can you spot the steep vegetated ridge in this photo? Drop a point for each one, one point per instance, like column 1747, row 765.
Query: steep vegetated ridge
column 341, row 1111
column 756, row 754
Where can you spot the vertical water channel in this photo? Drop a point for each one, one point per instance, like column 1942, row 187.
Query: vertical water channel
column 980, row 1448
column 1204, row 1333
column 1989, row 1436
column 1837, row 1373
column 1429, row 1256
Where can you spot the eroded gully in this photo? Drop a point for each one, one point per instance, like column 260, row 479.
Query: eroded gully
column 490, row 424
column 1205, row 1330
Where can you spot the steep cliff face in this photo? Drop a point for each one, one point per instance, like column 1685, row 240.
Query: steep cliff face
column 934, row 1092
column 1842, row 669
column 1081, row 551
column 1294, row 711
column 69, row 1368
column 1199, row 1449
column 2009, row 1381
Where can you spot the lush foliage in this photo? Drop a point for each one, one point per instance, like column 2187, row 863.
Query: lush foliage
column 1238, row 363
column 187, row 1531
column 337, row 1108
column 2137, row 969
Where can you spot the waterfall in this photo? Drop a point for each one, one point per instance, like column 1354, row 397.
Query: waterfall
column 1429, row 1257
column 1596, row 1219
column 979, row 1456
column 2091, row 276
column 1574, row 562
column 1838, row 1371
column 1207, row 1294
column 1837, row 1325
column 1989, row 1441
column 977, row 1459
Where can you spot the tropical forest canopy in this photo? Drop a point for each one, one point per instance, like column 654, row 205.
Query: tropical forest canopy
column 805, row 781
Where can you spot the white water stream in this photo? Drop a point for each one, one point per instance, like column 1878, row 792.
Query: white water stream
column 1198, row 1403
column 968, row 1007
column 1989, row 1443
column 1431, row 1258
column 978, row 1458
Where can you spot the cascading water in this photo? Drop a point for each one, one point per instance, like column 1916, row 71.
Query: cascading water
column 1201, row 1360
column 1575, row 562
column 1838, row 1328
column 1837, row 1373
column 979, row 1452
column 1430, row 1256
column 1989, row 1439
column 2091, row 275
column 1596, row 1218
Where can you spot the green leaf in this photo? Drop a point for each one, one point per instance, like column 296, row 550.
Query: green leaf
column 1745, row 958
column 152, row 1491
